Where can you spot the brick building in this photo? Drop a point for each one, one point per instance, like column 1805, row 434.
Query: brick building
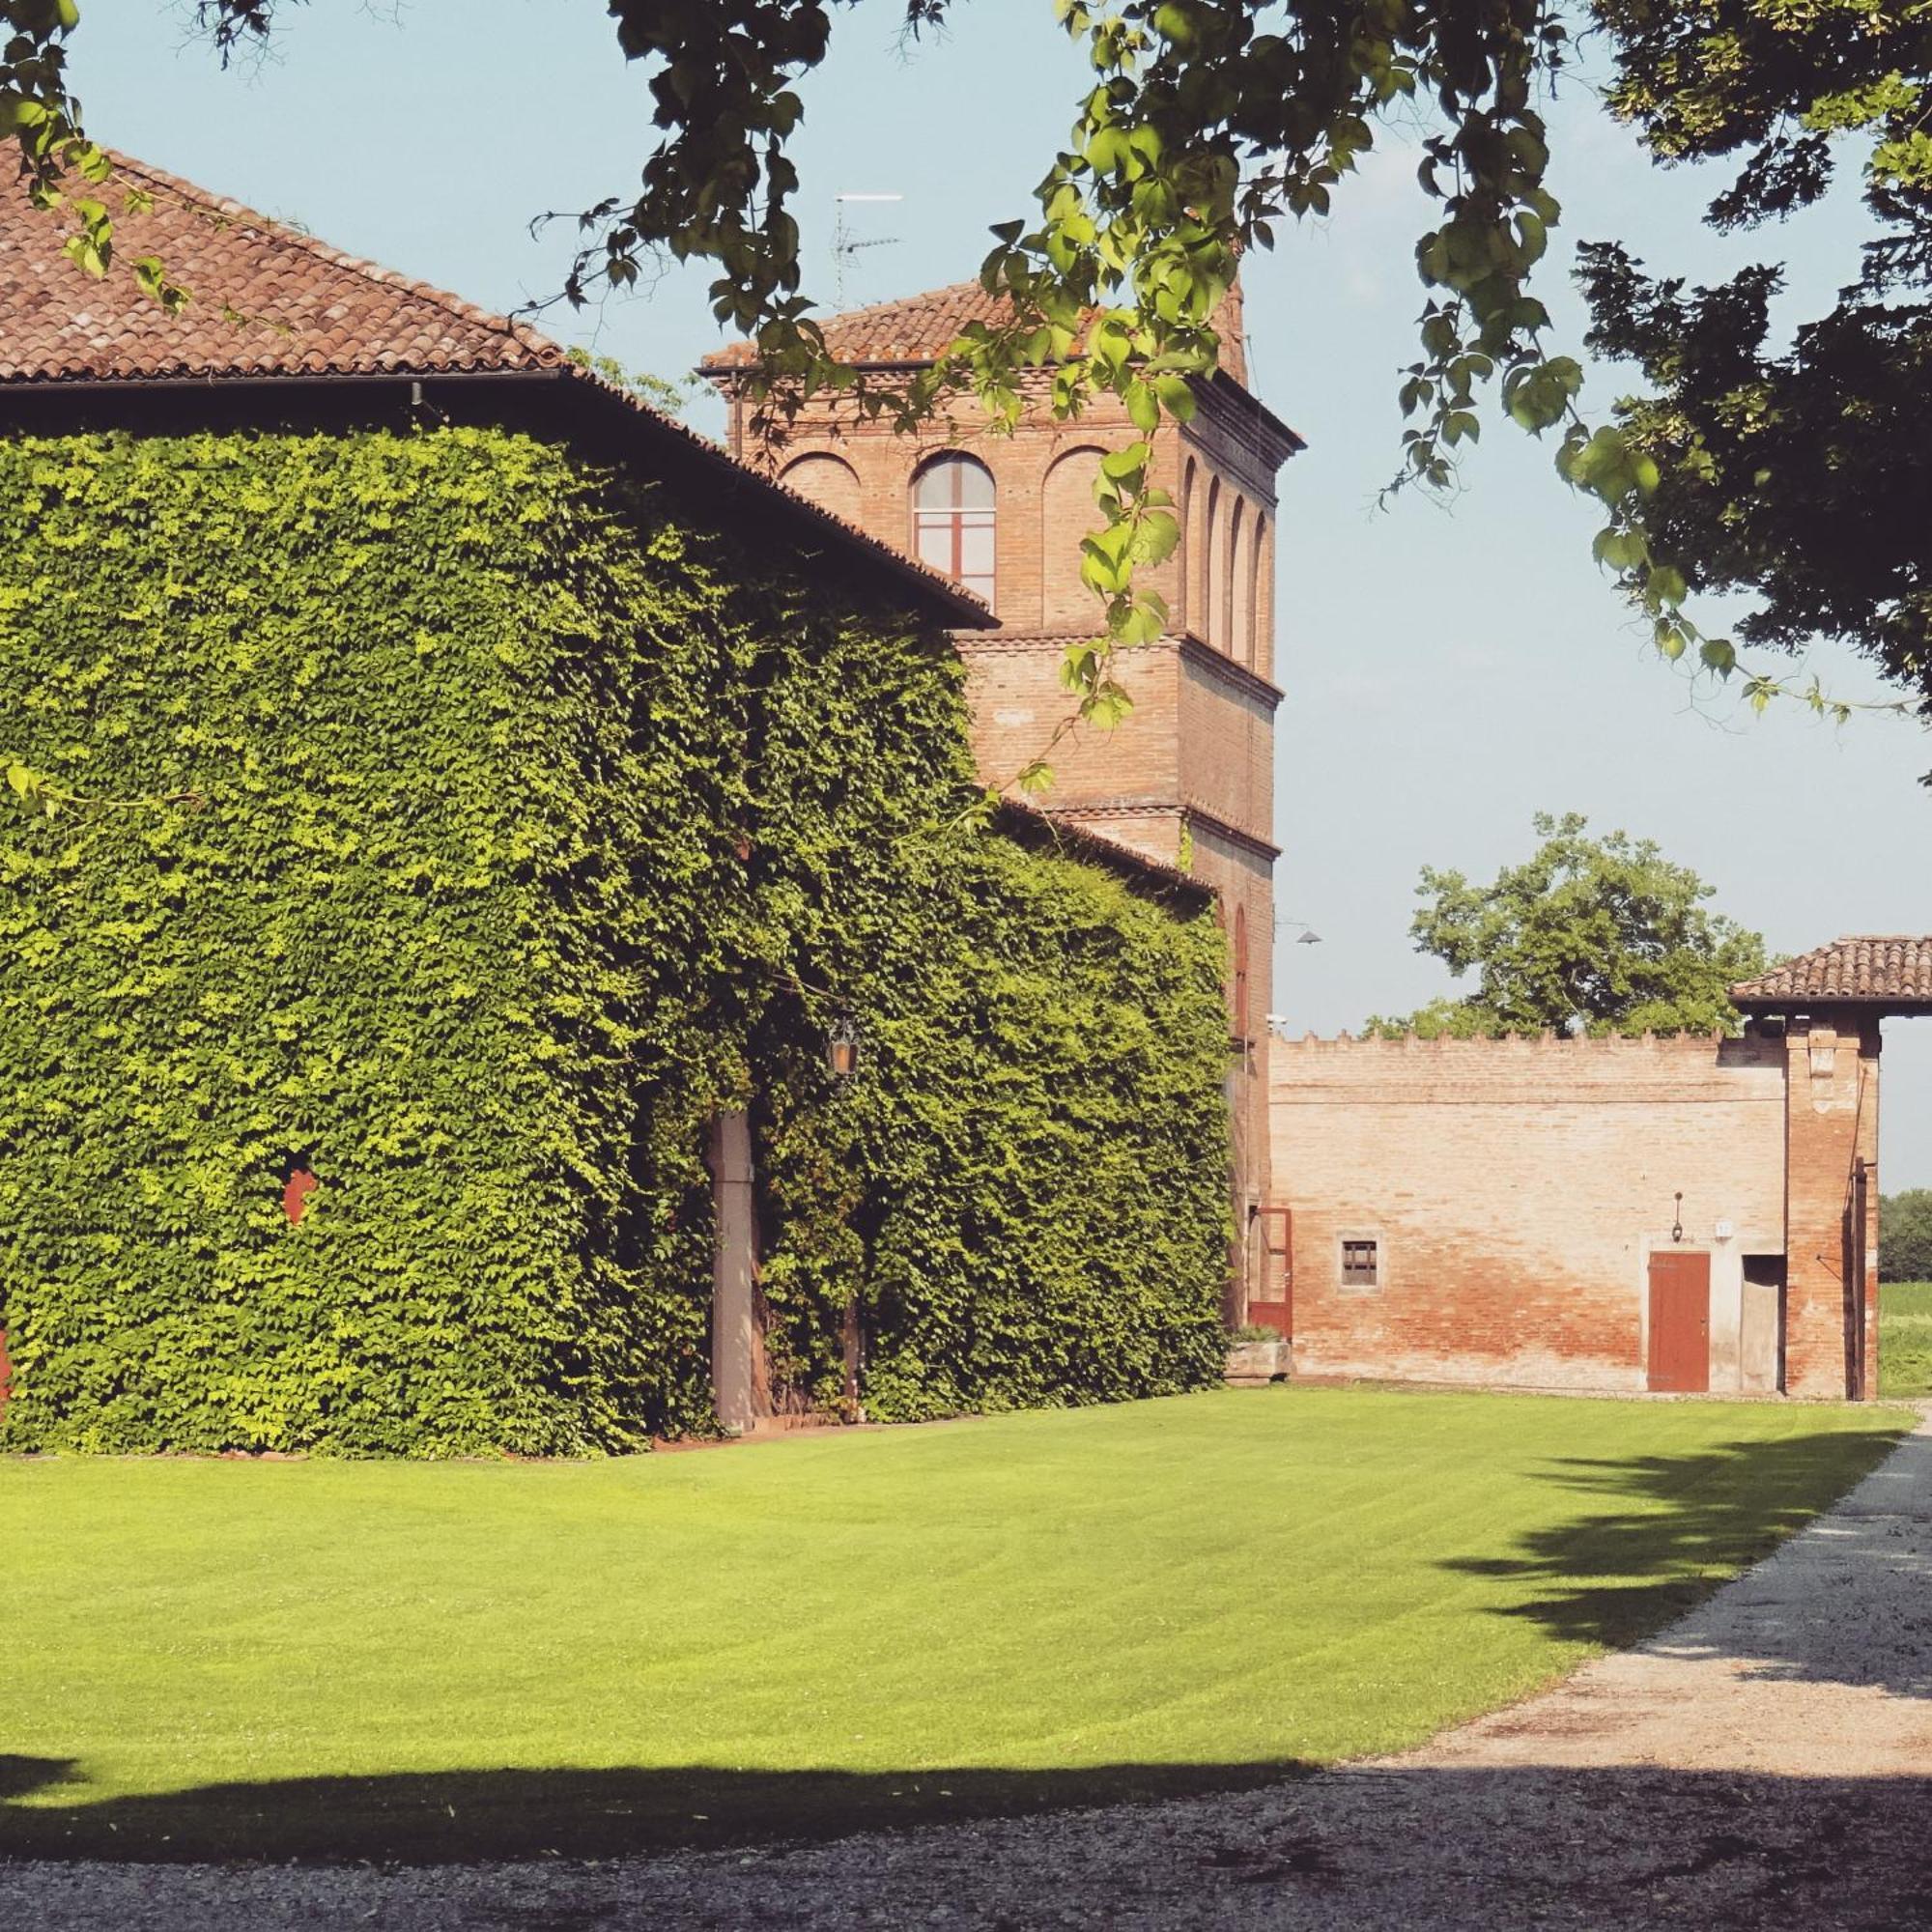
column 1188, row 777
column 521, row 826
column 1668, row 1214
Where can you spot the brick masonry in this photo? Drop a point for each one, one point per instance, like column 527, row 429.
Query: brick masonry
column 1831, row 1095
column 1189, row 777
column 1516, row 1190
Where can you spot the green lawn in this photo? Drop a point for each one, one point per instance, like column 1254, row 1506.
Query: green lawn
column 448, row 1659
column 1905, row 1338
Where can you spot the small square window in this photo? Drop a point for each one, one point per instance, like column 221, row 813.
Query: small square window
column 1361, row 1262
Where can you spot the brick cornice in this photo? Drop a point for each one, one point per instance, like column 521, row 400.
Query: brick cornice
column 1120, row 808
column 1219, row 664
column 1014, row 639
column 1168, row 808
column 1193, row 651
column 1244, row 418
column 1066, row 825
column 1233, row 835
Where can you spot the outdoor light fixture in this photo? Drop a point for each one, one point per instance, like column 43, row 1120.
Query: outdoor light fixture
column 842, row 1049
column 1307, row 936
column 1677, row 1225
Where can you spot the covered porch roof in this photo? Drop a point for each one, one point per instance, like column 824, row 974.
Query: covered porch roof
column 1877, row 974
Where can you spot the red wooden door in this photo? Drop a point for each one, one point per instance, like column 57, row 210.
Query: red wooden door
column 1680, row 1322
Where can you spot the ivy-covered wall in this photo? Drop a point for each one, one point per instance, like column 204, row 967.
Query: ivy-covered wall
column 534, row 822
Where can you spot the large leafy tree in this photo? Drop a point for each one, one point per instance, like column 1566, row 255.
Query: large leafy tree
column 1586, row 936
column 1905, row 1234
column 1795, row 471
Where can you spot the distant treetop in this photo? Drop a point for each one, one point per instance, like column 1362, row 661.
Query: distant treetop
column 1586, row 936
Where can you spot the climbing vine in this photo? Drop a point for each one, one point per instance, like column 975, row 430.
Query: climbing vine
column 500, row 824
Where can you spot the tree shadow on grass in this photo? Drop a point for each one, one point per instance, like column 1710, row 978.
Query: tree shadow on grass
column 461, row 1816
column 1673, row 1527
column 1678, row 1525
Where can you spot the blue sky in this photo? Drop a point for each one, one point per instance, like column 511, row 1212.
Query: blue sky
column 1449, row 671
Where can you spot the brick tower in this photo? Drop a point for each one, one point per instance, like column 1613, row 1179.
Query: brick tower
column 1188, row 779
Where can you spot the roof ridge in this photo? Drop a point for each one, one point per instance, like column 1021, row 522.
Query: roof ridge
column 283, row 233
column 967, row 284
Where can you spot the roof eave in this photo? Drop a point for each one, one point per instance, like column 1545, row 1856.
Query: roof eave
column 958, row 609
column 1879, row 1005
column 1292, row 442
column 961, row 609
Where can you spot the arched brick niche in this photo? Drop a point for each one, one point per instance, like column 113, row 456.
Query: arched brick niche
column 830, row 481
column 1067, row 512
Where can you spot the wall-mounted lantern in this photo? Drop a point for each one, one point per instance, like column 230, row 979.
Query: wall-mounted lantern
column 842, row 1049
column 1677, row 1225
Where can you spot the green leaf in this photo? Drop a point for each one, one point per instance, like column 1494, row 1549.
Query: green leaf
column 1664, row 584
column 1177, row 396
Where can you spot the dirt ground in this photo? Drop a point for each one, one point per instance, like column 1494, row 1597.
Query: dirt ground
column 1766, row 1761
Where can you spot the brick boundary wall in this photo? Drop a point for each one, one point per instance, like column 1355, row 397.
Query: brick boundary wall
column 1516, row 1190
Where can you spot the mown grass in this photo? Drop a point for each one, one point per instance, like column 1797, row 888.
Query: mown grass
column 1905, row 1338
column 382, row 1659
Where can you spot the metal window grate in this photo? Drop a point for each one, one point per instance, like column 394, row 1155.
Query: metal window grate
column 1360, row 1265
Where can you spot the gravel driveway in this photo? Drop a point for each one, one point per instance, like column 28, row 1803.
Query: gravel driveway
column 1767, row 1760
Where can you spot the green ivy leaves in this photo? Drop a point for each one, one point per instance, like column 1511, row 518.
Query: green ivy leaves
column 463, row 821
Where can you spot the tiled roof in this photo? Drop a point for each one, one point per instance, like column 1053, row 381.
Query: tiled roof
column 918, row 328
column 1862, row 969
column 267, row 299
column 915, row 328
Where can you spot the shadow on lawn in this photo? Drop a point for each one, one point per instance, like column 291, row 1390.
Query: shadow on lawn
column 1611, row 1577
column 1635, row 1847
column 1615, row 1576
column 461, row 1816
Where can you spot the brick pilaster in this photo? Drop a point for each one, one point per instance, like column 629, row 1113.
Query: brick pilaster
column 1831, row 1125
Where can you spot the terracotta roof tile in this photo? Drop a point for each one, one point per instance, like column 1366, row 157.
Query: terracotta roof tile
column 267, row 299
column 1867, row 969
column 918, row 328
column 915, row 328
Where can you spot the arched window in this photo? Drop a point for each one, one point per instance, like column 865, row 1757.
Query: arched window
column 1214, row 585
column 1186, row 600
column 1260, row 600
column 831, row 482
column 952, row 521
column 1242, row 585
column 1240, row 972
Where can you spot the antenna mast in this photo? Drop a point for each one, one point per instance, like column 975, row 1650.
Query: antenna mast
column 846, row 245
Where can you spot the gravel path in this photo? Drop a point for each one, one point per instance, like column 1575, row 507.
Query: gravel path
column 1767, row 1759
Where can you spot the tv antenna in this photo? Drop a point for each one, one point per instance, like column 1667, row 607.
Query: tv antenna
column 846, row 245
